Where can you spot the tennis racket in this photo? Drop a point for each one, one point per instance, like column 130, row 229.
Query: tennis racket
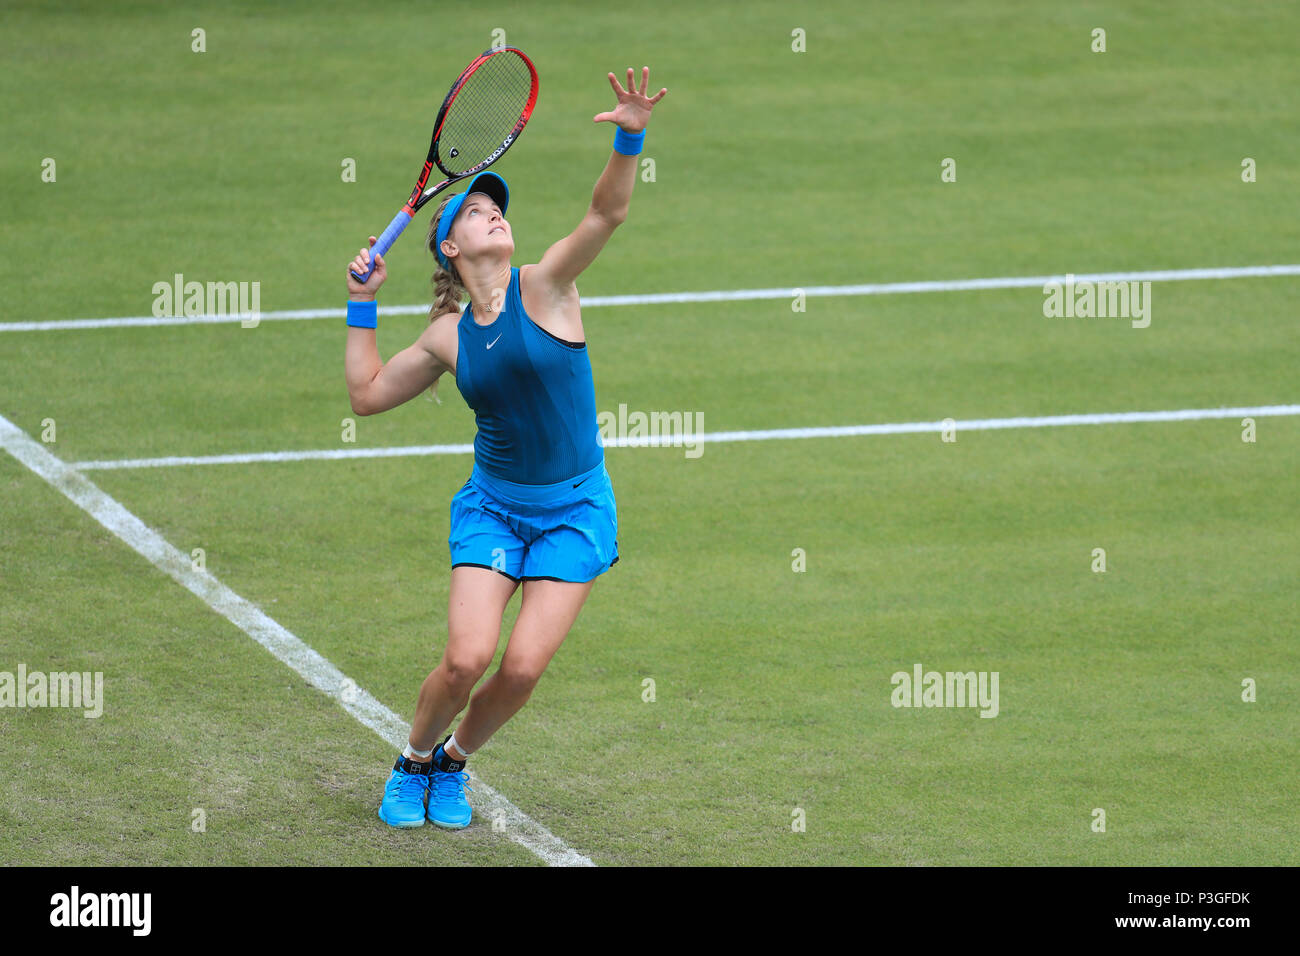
column 480, row 119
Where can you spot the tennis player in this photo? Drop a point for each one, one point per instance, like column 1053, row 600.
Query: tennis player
column 539, row 506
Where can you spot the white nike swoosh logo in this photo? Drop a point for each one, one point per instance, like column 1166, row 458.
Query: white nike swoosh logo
column 495, row 340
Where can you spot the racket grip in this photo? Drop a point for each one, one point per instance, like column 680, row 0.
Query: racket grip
column 385, row 241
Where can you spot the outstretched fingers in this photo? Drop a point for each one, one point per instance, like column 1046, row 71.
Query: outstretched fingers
column 644, row 89
column 634, row 95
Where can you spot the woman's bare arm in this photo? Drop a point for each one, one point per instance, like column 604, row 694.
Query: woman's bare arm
column 610, row 200
column 374, row 386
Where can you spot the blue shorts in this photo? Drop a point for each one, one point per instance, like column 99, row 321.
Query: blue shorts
column 562, row 532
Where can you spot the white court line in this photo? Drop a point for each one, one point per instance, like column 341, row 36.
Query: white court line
column 834, row 431
column 287, row 648
column 733, row 295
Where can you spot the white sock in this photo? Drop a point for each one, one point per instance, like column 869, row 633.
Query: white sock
column 453, row 742
column 419, row 756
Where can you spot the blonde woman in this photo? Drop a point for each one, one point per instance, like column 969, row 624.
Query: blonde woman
column 538, row 507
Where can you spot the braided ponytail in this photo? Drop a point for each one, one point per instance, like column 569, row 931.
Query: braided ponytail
column 447, row 287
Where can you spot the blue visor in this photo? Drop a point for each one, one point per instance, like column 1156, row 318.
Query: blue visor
column 491, row 184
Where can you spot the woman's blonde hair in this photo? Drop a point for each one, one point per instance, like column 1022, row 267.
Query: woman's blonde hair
column 448, row 290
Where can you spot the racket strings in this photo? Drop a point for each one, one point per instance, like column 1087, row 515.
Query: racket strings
column 485, row 110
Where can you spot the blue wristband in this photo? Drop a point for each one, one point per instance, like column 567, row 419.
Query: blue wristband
column 629, row 144
column 363, row 315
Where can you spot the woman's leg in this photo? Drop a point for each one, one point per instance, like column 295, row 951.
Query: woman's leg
column 474, row 609
column 546, row 614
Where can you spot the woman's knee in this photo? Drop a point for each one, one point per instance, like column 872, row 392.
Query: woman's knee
column 520, row 675
column 462, row 668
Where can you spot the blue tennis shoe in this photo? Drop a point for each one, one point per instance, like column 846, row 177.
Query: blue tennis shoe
column 448, row 807
column 405, row 793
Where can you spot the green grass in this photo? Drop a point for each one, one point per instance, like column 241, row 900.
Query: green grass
column 1118, row 690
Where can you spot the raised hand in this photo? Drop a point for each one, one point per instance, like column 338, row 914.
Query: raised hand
column 633, row 110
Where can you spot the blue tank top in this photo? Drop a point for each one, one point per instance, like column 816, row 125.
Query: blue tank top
column 533, row 397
